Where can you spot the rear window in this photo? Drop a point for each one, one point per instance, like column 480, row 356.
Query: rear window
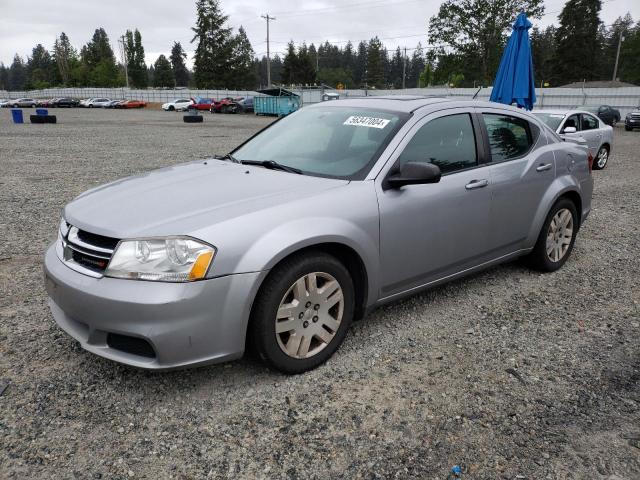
column 509, row 137
column 552, row 120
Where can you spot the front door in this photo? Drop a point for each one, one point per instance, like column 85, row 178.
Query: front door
column 428, row 232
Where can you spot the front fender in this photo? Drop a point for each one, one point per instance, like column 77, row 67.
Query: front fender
column 275, row 245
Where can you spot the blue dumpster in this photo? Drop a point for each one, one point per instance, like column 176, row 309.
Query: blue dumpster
column 276, row 101
column 16, row 113
column 42, row 111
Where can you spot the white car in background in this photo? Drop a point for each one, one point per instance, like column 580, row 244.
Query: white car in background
column 580, row 123
column 98, row 102
column 23, row 103
column 177, row 105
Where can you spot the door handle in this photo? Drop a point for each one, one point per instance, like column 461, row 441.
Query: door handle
column 543, row 167
column 473, row 184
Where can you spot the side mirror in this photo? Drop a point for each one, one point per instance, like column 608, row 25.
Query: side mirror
column 569, row 130
column 413, row 173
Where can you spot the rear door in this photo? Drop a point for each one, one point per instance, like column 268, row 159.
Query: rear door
column 591, row 132
column 521, row 167
column 428, row 232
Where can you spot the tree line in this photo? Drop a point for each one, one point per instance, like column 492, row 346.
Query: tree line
column 466, row 39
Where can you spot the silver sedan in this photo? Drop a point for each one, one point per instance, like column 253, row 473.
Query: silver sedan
column 580, row 123
column 327, row 214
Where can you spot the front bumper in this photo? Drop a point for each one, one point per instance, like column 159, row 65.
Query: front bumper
column 186, row 324
column 633, row 123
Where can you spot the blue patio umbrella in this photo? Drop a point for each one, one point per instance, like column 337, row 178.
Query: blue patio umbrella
column 514, row 82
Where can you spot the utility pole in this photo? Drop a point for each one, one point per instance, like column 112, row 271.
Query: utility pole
column 404, row 67
column 267, row 18
column 123, row 53
column 615, row 69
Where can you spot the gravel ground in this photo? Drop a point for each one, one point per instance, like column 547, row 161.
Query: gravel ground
column 509, row 373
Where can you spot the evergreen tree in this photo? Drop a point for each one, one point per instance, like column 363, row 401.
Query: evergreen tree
column 137, row 69
column 4, row 77
column 17, row 74
column 375, row 65
column 163, row 76
column 543, row 48
column 306, row 73
column 276, row 69
column 151, row 74
column 577, row 41
column 360, row 65
column 243, row 71
column 396, row 69
column 290, row 65
column 213, row 55
column 39, row 68
column 629, row 66
column 180, row 71
column 65, row 57
column 100, row 63
column 416, row 67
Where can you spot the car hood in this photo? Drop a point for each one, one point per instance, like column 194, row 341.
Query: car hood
column 182, row 199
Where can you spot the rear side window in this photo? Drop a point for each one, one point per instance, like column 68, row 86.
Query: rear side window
column 447, row 142
column 509, row 137
column 589, row 122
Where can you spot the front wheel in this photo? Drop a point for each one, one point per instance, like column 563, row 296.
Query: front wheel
column 556, row 239
column 601, row 158
column 302, row 312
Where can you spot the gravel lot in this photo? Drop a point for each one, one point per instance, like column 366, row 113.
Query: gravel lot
column 509, row 373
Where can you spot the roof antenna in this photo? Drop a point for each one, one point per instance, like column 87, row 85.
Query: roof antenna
column 476, row 94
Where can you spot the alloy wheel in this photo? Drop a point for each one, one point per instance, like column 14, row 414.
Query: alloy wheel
column 309, row 315
column 603, row 157
column 559, row 235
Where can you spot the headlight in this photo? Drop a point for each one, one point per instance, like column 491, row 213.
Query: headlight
column 171, row 259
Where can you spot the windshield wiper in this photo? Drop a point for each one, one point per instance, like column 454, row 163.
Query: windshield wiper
column 273, row 165
column 229, row 157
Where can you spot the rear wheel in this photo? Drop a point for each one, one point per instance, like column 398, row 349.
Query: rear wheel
column 556, row 238
column 302, row 313
column 601, row 158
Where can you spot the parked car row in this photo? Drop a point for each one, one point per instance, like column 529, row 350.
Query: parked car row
column 225, row 105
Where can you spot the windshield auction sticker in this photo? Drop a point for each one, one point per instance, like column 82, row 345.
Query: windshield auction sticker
column 371, row 122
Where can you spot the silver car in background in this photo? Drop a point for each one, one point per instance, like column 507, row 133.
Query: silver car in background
column 580, row 123
column 316, row 220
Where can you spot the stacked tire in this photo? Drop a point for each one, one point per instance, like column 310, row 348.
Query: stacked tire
column 42, row 118
column 192, row 118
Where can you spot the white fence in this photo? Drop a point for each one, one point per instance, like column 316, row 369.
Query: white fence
column 624, row 99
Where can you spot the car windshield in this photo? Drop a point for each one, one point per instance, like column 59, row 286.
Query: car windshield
column 340, row 142
column 552, row 120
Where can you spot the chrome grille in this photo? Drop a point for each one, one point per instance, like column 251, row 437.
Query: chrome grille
column 82, row 250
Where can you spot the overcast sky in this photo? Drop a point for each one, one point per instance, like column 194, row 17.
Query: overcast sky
column 24, row 23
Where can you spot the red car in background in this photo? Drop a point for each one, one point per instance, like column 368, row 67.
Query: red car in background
column 132, row 104
column 201, row 103
column 222, row 106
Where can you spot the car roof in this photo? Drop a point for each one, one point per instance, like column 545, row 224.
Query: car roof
column 411, row 103
column 568, row 111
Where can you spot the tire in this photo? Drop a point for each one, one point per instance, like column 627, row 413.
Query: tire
column 539, row 258
column 325, row 331
column 171, row 108
column 192, row 118
column 43, row 119
column 628, row 129
column 15, row 105
column 602, row 158
column 90, row 105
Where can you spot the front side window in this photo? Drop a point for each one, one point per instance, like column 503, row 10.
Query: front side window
column 572, row 121
column 589, row 122
column 340, row 142
column 448, row 142
column 509, row 137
